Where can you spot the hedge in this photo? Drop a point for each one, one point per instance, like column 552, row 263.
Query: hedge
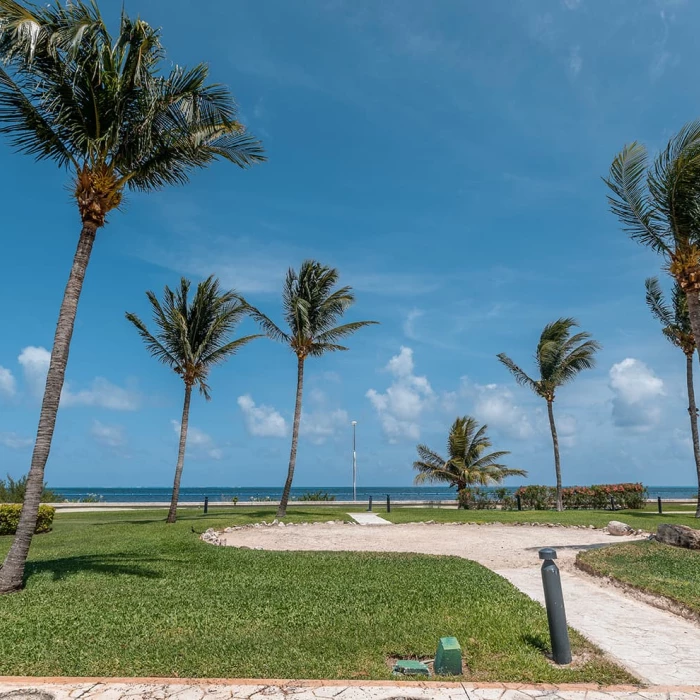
column 9, row 519
column 598, row 496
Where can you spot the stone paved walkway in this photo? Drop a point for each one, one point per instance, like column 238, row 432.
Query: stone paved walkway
column 161, row 689
column 656, row 646
column 368, row 519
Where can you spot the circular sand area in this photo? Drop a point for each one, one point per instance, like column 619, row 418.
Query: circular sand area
column 494, row 546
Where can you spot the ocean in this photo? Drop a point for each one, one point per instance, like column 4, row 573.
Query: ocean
column 341, row 493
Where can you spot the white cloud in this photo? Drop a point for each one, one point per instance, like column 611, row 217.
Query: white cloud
column 637, row 391
column 409, row 324
column 575, row 60
column 102, row 393
column 262, row 421
column 110, row 435
column 8, row 385
column 495, row 405
column 14, row 441
column 322, row 422
column 572, row 4
column 199, row 442
column 405, row 400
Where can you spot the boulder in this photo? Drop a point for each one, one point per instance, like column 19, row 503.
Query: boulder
column 678, row 536
column 615, row 527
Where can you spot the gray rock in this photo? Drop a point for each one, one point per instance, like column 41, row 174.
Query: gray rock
column 678, row 536
column 615, row 527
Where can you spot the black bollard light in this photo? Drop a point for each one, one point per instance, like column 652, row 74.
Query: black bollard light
column 612, row 502
column 661, row 510
column 554, row 602
column 206, row 504
column 388, row 503
column 369, row 507
column 520, row 502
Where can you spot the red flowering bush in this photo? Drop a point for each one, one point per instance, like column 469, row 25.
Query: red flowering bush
column 597, row 497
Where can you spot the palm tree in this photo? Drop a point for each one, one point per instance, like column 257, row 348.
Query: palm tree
column 311, row 308
column 676, row 328
column 657, row 206
column 192, row 336
column 560, row 357
column 101, row 107
column 468, row 463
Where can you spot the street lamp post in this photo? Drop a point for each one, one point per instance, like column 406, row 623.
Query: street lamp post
column 354, row 463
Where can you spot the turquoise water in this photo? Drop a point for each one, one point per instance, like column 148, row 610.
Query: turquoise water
column 225, row 493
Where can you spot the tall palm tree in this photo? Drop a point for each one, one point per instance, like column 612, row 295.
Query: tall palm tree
column 677, row 329
column 657, row 205
column 101, row 107
column 468, row 462
column 311, row 308
column 560, row 357
column 192, row 336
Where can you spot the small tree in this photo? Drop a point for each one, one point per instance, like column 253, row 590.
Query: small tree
column 468, row 462
column 560, row 357
column 677, row 329
column 191, row 337
column 311, row 308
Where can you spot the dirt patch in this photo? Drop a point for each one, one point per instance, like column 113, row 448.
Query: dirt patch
column 494, row 546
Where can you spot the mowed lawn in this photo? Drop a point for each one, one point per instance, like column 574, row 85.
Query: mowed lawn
column 672, row 572
column 639, row 519
column 122, row 594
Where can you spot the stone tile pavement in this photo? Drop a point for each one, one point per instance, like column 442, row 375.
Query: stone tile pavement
column 162, row 689
column 656, row 646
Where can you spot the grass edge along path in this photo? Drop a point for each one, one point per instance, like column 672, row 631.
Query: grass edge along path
column 122, row 594
column 655, row 569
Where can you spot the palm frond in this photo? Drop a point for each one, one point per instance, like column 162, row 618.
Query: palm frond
column 518, row 374
column 630, row 200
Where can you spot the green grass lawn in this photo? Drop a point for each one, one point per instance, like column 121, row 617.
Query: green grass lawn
column 643, row 519
column 122, row 594
column 672, row 572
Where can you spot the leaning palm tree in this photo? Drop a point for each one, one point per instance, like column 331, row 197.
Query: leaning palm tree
column 560, row 357
column 468, row 462
column 658, row 206
column 101, row 107
column 311, row 308
column 192, row 336
column 676, row 328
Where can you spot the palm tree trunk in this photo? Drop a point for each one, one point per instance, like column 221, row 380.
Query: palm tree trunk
column 693, row 413
column 12, row 570
column 557, row 464
column 172, row 513
column 693, row 299
column 282, row 510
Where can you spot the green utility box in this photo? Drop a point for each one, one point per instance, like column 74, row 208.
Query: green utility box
column 448, row 658
column 411, row 668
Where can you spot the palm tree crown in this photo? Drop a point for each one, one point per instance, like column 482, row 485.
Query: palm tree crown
column 193, row 334
column 311, row 309
column 469, row 462
column 674, row 318
column 72, row 93
column 658, row 204
column 560, row 357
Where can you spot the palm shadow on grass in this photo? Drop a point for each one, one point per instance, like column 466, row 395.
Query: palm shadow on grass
column 103, row 564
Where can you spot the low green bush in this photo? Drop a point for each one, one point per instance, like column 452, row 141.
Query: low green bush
column 9, row 519
column 316, row 496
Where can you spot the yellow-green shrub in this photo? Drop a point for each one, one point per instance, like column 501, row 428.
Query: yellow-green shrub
column 9, row 519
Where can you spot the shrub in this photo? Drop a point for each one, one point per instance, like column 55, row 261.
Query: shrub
column 316, row 496
column 536, row 497
column 473, row 498
column 12, row 491
column 9, row 519
column 596, row 497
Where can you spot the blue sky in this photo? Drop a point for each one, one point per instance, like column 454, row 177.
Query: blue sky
column 446, row 157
